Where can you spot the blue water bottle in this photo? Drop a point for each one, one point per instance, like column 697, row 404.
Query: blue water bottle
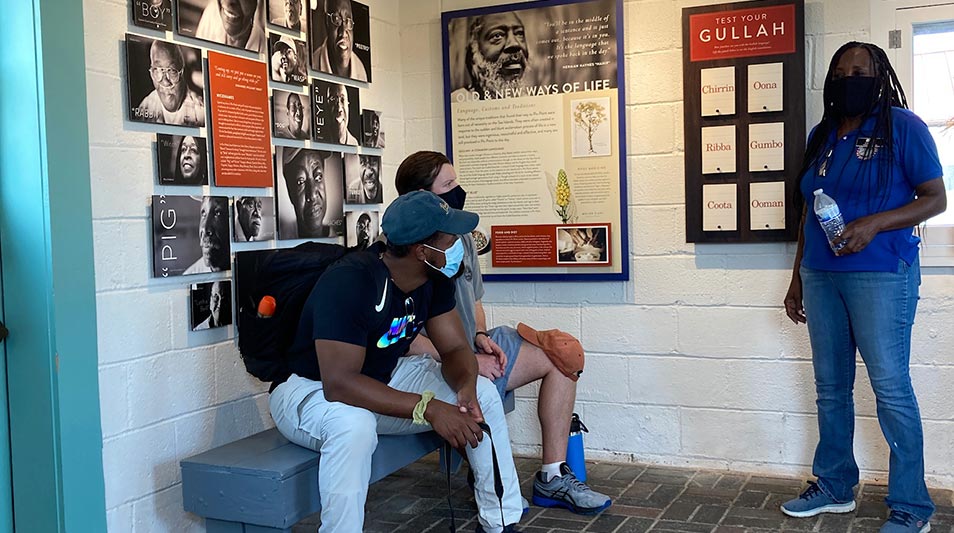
column 574, row 448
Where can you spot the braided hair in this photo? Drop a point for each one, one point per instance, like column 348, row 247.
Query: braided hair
column 888, row 93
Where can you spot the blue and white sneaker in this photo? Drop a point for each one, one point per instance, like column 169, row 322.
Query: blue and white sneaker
column 902, row 522
column 568, row 492
column 815, row 502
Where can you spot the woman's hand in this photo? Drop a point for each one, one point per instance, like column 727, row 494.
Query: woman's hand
column 793, row 301
column 858, row 234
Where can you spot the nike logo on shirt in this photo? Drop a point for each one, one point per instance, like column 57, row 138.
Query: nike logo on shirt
column 384, row 296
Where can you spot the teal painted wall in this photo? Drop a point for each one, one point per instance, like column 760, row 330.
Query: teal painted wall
column 49, row 284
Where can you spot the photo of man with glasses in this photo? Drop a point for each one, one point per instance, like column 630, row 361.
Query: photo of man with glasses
column 166, row 83
column 340, row 37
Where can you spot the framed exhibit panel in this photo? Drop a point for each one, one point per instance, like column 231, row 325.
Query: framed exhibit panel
column 744, row 108
column 536, row 132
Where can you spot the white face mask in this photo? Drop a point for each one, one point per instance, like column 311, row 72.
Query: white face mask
column 452, row 258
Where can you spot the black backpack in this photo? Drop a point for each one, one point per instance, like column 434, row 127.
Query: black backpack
column 288, row 275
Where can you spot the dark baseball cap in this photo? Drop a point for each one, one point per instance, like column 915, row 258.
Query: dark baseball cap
column 415, row 216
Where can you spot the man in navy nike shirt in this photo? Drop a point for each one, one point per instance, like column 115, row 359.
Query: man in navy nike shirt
column 353, row 382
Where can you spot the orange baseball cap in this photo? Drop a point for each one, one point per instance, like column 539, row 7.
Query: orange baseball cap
column 563, row 349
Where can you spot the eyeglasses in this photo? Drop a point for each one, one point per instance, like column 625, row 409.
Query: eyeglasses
column 172, row 74
column 338, row 20
column 409, row 309
column 823, row 167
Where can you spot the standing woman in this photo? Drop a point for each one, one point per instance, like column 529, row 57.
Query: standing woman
column 880, row 164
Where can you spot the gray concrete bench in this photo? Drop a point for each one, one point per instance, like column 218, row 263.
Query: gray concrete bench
column 265, row 484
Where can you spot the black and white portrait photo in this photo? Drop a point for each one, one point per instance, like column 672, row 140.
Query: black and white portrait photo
column 362, row 228
column 183, row 159
column 340, row 38
column 310, row 193
column 288, row 14
column 583, row 244
column 533, row 51
column 291, row 115
column 235, row 23
column 165, row 82
column 287, row 60
column 363, row 177
column 211, row 304
column 190, row 235
column 254, row 218
column 337, row 113
column 372, row 134
column 153, row 14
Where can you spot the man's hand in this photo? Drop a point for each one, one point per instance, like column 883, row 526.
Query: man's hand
column 489, row 367
column 486, row 345
column 454, row 426
column 467, row 403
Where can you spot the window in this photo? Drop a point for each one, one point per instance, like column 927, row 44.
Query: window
column 925, row 65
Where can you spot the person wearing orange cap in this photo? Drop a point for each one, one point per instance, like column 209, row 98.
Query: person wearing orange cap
column 510, row 358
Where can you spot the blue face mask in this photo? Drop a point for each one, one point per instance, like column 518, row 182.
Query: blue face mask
column 452, row 258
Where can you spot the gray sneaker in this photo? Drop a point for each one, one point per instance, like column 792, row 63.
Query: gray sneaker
column 902, row 522
column 568, row 492
column 815, row 502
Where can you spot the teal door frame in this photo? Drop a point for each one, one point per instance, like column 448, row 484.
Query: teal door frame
column 48, row 279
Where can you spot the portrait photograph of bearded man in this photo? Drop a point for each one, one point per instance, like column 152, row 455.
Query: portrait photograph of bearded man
column 165, row 82
column 528, row 52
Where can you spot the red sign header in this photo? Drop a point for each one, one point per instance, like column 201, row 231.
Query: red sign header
column 760, row 31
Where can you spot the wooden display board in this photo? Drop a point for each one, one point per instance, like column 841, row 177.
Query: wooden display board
column 744, row 106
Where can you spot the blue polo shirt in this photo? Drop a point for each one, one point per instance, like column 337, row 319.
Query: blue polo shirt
column 853, row 183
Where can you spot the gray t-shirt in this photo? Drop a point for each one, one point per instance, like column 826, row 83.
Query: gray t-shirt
column 470, row 287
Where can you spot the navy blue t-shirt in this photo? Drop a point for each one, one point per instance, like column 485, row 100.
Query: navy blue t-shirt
column 356, row 302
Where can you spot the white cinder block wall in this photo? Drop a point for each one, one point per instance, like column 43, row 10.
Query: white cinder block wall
column 690, row 363
column 693, row 362
column 166, row 392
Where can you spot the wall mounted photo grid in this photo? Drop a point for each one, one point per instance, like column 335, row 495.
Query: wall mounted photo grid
column 744, row 107
column 537, row 136
column 339, row 39
column 166, row 85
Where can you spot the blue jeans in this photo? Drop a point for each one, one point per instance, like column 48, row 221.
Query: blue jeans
column 872, row 312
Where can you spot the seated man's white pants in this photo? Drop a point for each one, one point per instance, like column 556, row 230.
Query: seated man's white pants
column 346, row 436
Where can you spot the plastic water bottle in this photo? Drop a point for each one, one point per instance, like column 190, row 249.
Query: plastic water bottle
column 829, row 216
column 574, row 448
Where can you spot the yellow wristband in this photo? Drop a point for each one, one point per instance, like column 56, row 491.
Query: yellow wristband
column 418, row 415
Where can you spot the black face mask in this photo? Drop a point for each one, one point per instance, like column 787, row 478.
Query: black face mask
column 454, row 197
column 852, row 96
